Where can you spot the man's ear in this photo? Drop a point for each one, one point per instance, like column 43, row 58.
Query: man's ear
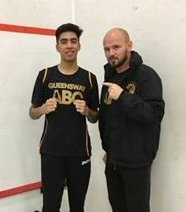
column 57, row 48
column 130, row 45
column 79, row 46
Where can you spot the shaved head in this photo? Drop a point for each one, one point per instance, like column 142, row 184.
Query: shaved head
column 118, row 32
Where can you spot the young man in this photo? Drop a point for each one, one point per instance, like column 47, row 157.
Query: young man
column 130, row 115
column 66, row 94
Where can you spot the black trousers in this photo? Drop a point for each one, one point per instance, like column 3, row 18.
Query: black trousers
column 128, row 188
column 55, row 171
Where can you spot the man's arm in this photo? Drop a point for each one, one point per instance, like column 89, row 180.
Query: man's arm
column 36, row 112
column 91, row 115
column 49, row 106
column 81, row 107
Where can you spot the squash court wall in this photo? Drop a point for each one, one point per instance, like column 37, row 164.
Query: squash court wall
column 158, row 31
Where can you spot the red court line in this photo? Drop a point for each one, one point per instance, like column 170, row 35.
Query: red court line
column 20, row 189
column 26, row 29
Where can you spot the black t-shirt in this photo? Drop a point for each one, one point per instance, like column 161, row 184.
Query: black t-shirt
column 65, row 130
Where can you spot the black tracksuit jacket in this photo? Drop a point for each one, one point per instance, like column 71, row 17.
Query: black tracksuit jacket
column 130, row 126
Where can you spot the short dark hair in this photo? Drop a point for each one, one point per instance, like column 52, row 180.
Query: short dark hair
column 69, row 27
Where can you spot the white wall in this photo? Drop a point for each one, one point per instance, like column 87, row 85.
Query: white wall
column 158, row 31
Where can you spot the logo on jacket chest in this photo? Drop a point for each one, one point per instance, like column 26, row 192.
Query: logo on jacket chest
column 131, row 87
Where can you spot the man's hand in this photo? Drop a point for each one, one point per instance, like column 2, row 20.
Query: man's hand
column 114, row 90
column 49, row 106
column 81, row 107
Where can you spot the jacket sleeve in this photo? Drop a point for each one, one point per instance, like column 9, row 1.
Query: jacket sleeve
column 147, row 105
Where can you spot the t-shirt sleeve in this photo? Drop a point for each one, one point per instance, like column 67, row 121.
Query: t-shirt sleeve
column 38, row 94
column 93, row 102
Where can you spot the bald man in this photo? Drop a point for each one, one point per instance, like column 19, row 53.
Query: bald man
column 130, row 116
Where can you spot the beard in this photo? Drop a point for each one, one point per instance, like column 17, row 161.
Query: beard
column 116, row 62
column 119, row 63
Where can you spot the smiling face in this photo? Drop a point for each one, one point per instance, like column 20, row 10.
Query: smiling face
column 117, row 47
column 68, row 46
